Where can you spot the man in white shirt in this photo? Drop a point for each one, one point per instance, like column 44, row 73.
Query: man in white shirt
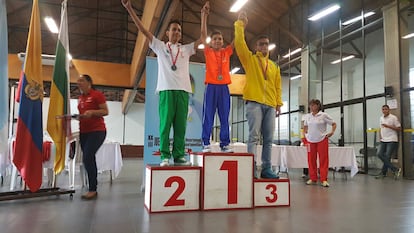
column 389, row 128
column 173, row 85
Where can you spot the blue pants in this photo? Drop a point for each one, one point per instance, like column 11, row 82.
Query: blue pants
column 261, row 120
column 216, row 97
column 384, row 153
column 90, row 143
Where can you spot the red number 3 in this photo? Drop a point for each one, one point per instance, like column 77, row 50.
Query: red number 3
column 174, row 201
column 273, row 197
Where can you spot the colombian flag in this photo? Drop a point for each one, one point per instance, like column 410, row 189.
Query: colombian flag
column 59, row 128
column 29, row 135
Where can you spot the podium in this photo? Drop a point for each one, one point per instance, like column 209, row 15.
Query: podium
column 215, row 181
column 227, row 181
column 172, row 188
column 271, row 192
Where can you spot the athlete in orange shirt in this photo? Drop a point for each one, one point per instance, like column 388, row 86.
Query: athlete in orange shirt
column 217, row 94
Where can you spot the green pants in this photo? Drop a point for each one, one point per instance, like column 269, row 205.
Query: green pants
column 173, row 110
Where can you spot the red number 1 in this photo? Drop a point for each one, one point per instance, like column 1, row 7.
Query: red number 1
column 174, row 201
column 232, row 171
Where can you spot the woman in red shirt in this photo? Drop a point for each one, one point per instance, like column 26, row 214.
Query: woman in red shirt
column 92, row 108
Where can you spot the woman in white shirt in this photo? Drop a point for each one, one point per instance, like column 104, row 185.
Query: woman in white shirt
column 315, row 129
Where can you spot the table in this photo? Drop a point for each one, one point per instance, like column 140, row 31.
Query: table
column 109, row 157
column 297, row 157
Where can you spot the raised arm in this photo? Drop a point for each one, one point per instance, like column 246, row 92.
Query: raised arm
column 203, row 27
column 137, row 21
column 240, row 45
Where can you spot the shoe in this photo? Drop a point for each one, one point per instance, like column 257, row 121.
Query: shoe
column 255, row 171
column 165, row 162
column 226, row 149
column 90, row 195
column 206, row 148
column 309, row 182
column 380, row 176
column 397, row 173
column 325, row 184
column 268, row 173
column 181, row 162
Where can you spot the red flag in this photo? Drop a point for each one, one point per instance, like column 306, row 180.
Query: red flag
column 29, row 133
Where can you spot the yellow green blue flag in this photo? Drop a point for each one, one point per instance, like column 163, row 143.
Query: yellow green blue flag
column 59, row 127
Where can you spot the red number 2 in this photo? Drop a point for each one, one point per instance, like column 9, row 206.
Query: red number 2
column 231, row 167
column 174, row 201
column 273, row 193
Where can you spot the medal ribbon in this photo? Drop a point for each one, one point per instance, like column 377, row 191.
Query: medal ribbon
column 219, row 62
column 261, row 66
column 173, row 60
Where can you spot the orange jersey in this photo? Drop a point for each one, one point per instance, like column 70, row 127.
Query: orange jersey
column 218, row 65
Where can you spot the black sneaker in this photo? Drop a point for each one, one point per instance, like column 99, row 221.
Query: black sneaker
column 380, row 176
column 181, row 162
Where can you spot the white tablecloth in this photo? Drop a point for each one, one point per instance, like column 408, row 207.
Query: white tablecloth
column 109, row 157
column 296, row 156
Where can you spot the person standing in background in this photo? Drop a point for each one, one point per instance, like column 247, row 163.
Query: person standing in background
column 262, row 93
column 217, row 94
column 173, row 85
column 315, row 129
column 92, row 108
column 390, row 126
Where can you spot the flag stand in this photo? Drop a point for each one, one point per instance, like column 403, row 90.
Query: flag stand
column 24, row 194
column 43, row 192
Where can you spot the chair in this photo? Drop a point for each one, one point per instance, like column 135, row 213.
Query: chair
column 371, row 154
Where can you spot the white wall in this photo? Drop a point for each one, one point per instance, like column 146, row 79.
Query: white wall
column 125, row 129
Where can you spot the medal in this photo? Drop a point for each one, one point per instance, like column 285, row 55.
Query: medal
column 219, row 61
column 264, row 70
column 173, row 60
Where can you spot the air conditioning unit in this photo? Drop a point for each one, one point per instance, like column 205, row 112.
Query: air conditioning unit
column 47, row 60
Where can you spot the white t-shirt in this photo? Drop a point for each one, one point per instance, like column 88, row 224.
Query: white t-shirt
column 169, row 79
column 387, row 134
column 317, row 125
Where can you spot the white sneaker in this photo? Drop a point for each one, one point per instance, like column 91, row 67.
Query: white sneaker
column 165, row 162
column 206, row 148
column 226, row 149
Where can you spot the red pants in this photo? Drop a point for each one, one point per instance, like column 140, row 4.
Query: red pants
column 321, row 149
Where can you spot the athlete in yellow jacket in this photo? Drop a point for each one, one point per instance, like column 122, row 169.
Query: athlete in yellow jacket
column 262, row 93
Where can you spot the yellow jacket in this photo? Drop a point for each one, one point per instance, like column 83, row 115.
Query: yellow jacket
column 265, row 90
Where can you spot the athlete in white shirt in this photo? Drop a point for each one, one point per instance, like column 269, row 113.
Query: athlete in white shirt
column 173, row 85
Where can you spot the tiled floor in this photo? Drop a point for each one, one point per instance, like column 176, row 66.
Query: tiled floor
column 361, row 204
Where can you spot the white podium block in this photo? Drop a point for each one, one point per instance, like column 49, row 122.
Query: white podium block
column 227, row 180
column 271, row 192
column 172, row 188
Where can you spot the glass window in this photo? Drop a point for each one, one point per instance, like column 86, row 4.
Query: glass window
column 374, row 62
column 335, row 113
column 353, row 130
column 331, row 85
column 352, row 69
